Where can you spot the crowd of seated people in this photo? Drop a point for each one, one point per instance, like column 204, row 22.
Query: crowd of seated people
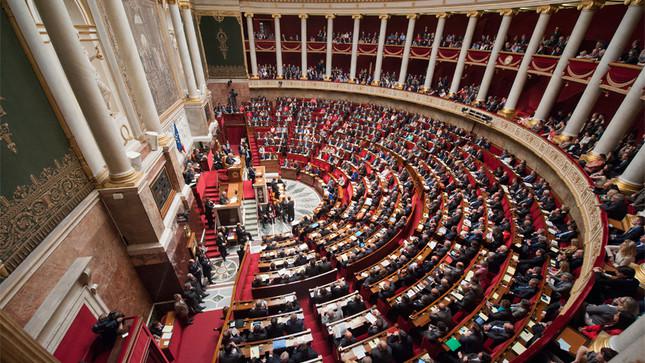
column 368, row 38
column 595, row 54
column 263, row 34
column 423, row 39
column 395, row 39
column 553, row 44
column 517, row 44
column 343, row 38
column 267, row 71
column 291, row 71
column 451, row 41
column 414, row 82
column 466, row 94
column 486, row 42
column 388, row 79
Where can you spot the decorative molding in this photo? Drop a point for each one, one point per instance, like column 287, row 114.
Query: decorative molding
column 36, row 209
column 591, row 4
column 507, row 12
column 547, row 9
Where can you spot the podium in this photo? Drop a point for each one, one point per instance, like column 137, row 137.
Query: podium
column 260, row 186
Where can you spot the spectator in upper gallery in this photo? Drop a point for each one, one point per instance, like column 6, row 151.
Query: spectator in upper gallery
column 616, row 207
column 634, row 233
column 623, row 254
column 609, row 284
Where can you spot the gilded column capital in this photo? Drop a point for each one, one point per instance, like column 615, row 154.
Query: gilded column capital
column 248, row 15
column 303, row 16
column 384, row 17
column 591, row 4
column 634, row 2
column 412, row 16
column 169, row 1
column 474, row 14
column 508, row 12
column 547, row 9
column 330, row 16
column 357, row 16
column 276, row 16
column 442, row 15
column 183, row 4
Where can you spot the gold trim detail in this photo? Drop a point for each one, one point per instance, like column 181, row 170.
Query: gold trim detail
column 36, row 209
column 634, row 2
column 357, row 16
column 547, row 9
column 276, row 16
column 507, row 112
column 508, row 12
column 626, row 186
column 473, row 14
column 591, row 4
column 5, row 135
column 442, row 15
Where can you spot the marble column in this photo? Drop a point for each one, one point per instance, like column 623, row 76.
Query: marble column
column 409, row 35
column 53, row 74
column 507, row 16
column 278, row 46
column 623, row 118
column 251, row 36
column 193, row 46
column 633, row 177
column 588, row 7
column 136, row 76
column 379, row 50
column 303, row 45
column 184, row 56
column 614, row 50
column 465, row 45
column 522, row 72
column 329, row 50
column 83, row 79
column 438, row 34
column 355, row 38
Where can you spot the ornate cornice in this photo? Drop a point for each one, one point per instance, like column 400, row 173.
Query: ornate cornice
column 634, row 2
column 474, row 14
column 412, row 16
column 442, row 15
column 330, row 16
column 383, row 17
column 357, row 16
column 507, row 12
column 591, row 4
column 276, row 16
column 303, row 16
column 546, row 9
column 248, row 15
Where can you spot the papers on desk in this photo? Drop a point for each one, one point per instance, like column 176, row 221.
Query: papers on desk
column 254, row 352
column 457, row 295
column 432, row 244
column 290, row 298
column 359, row 351
column 167, row 329
column 518, row 348
column 507, row 278
column 166, row 336
column 526, row 335
column 372, row 343
column 339, row 329
column 564, row 345
column 453, row 344
column 371, row 318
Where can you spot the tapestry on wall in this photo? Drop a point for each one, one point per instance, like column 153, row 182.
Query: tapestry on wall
column 41, row 179
column 223, row 45
column 153, row 44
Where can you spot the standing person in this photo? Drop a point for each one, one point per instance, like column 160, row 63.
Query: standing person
column 207, row 267
column 196, row 269
column 251, row 173
column 221, row 245
column 291, row 209
column 181, row 310
column 208, row 211
column 285, row 209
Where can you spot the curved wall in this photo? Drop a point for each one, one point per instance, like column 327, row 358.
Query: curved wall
column 569, row 182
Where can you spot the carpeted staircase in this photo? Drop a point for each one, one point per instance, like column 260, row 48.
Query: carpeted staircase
column 254, row 149
column 251, row 218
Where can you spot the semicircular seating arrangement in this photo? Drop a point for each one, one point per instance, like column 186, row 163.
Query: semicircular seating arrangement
column 428, row 237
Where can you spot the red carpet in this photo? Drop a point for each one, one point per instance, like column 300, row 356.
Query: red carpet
column 320, row 344
column 249, row 193
column 246, row 281
column 199, row 340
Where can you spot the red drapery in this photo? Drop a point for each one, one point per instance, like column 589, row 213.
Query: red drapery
column 478, row 56
column 508, row 59
column 291, row 46
column 367, row 48
column 448, row 53
column 317, row 46
column 265, row 45
column 422, row 52
column 580, row 68
column 393, row 50
column 543, row 63
column 621, row 75
column 344, row 48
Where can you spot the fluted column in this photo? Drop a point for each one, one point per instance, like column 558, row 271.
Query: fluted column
column 251, row 36
column 438, row 34
column 330, row 37
column 614, row 50
column 193, row 46
column 507, row 16
column 632, row 178
column 184, row 55
column 588, row 7
column 622, row 120
column 83, row 80
column 379, row 50
column 303, row 45
column 136, row 75
column 352, row 66
column 406, row 50
column 278, row 46
column 53, row 74
column 522, row 72
column 465, row 45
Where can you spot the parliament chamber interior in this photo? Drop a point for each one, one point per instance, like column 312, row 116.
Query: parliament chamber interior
column 204, row 181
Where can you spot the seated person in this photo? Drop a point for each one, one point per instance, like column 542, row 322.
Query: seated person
column 382, row 353
column 355, row 305
column 294, row 325
column 499, row 331
column 378, row 326
column 230, row 354
column 302, row 353
column 347, row 339
column 622, row 255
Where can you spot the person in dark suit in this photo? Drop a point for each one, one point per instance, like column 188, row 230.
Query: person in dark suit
column 251, row 174
column 354, row 306
column 347, row 339
column 302, row 353
column 230, row 354
column 402, row 346
column 382, row 353
column 275, row 329
column 291, row 209
column 324, row 265
column 499, row 331
column 208, row 212
column 311, row 269
column 294, row 325
column 525, row 291
column 472, row 341
column 258, row 333
column 195, row 269
column 633, row 234
column 616, row 207
column 608, row 285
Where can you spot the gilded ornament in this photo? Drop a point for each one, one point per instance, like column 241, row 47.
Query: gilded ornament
column 222, row 39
